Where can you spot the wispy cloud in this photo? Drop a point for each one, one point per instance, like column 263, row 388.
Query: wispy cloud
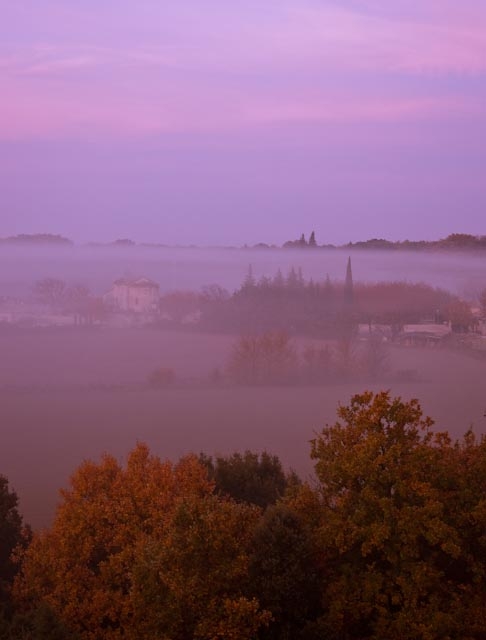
column 374, row 109
column 56, row 60
column 195, row 69
column 347, row 39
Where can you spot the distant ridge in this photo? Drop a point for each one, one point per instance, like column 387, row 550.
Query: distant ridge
column 37, row 238
column 453, row 242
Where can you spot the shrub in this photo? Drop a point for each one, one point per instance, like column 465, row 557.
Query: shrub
column 162, row 377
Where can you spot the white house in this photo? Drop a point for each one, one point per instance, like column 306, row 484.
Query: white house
column 139, row 295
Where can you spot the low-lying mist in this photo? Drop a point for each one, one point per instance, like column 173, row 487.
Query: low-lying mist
column 259, row 361
column 192, row 268
column 72, row 394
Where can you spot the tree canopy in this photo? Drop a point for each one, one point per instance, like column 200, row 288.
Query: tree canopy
column 145, row 551
column 387, row 541
column 389, row 495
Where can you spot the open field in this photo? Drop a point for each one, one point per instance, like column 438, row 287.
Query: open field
column 69, row 395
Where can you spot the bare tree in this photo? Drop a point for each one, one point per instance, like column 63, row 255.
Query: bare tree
column 375, row 358
column 180, row 304
column 50, row 291
column 482, row 303
column 269, row 358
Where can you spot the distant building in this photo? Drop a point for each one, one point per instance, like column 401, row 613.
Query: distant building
column 423, row 335
column 139, row 295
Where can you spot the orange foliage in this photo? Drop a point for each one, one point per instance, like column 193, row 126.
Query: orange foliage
column 87, row 567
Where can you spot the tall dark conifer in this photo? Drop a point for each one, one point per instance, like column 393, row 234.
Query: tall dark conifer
column 348, row 285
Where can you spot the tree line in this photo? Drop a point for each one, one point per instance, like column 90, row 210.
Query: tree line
column 271, row 358
column 321, row 309
column 285, row 302
column 387, row 541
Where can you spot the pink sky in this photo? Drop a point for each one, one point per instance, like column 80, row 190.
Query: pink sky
column 215, row 122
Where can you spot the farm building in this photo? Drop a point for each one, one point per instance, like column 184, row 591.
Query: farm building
column 423, row 335
column 139, row 295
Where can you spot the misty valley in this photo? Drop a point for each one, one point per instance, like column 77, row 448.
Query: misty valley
column 243, row 320
column 258, row 360
column 224, row 391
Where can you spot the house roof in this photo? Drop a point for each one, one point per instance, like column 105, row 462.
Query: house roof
column 143, row 283
column 439, row 330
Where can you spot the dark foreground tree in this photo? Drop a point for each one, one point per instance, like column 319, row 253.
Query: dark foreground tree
column 12, row 535
column 250, row 477
column 284, row 573
column 39, row 623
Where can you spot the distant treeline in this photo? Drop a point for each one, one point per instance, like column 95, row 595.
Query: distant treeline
column 37, row 238
column 387, row 541
column 453, row 242
column 324, row 309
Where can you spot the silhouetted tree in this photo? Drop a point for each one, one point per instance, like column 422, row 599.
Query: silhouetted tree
column 460, row 316
column 348, row 285
column 312, row 240
column 375, row 357
column 249, row 281
column 482, row 303
column 250, row 477
column 278, row 280
column 12, row 535
column 284, row 573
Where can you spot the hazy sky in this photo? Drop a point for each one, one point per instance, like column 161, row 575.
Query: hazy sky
column 216, row 122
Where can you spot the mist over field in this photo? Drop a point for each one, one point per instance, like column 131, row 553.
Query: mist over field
column 193, row 268
column 243, row 320
column 74, row 392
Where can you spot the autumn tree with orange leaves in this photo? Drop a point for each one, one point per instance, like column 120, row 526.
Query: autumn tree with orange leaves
column 145, row 551
column 388, row 542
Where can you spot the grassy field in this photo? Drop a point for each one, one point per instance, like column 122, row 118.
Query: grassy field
column 70, row 395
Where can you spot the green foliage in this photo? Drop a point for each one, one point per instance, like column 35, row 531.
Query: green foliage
column 192, row 579
column 253, row 478
column 389, row 542
column 284, row 574
column 320, row 309
column 390, row 493
column 40, row 623
column 12, row 535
